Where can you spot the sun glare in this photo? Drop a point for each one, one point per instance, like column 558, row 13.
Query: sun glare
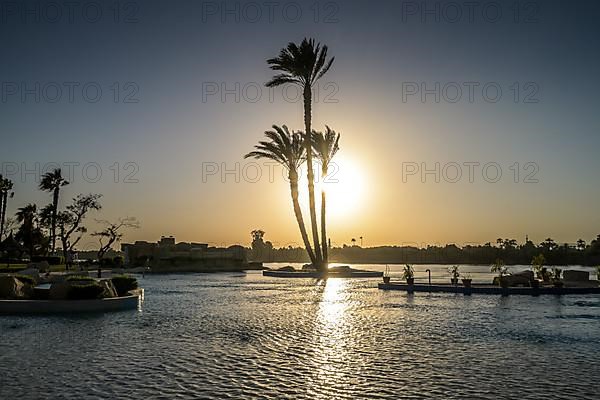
column 344, row 186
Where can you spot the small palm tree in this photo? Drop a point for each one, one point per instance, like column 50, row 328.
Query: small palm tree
column 325, row 147
column 52, row 182
column 27, row 216
column 304, row 65
column 286, row 148
column 6, row 192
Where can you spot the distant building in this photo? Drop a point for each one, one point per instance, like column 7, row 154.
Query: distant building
column 166, row 254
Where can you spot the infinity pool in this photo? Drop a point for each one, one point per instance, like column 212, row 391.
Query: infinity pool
column 251, row 337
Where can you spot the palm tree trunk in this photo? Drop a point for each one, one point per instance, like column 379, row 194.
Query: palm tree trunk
column 54, row 212
column 298, row 211
column 323, row 228
column 2, row 212
column 311, row 177
column 31, row 246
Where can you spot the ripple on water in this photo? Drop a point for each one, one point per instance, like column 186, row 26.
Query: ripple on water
column 231, row 337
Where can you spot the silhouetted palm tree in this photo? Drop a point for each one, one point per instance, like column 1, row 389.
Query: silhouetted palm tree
column 52, row 182
column 27, row 216
column 6, row 186
column 286, row 149
column 325, row 146
column 304, row 65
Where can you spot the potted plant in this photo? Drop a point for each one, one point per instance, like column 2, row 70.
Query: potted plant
column 466, row 280
column 598, row 273
column 499, row 268
column 556, row 277
column 409, row 274
column 386, row 274
column 537, row 266
column 454, row 274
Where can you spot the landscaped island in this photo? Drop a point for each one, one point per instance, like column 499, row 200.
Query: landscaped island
column 307, row 271
column 30, row 293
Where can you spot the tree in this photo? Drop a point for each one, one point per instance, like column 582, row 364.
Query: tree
column 537, row 264
column 29, row 233
column 111, row 234
column 580, row 245
column 325, row 147
column 304, row 65
column 70, row 222
column 44, row 218
column 258, row 244
column 286, row 148
column 6, row 192
column 52, row 182
column 549, row 244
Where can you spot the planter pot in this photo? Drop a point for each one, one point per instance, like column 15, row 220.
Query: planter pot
column 410, row 281
column 454, row 281
column 558, row 284
column 503, row 283
column 386, row 279
column 467, row 282
column 535, row 284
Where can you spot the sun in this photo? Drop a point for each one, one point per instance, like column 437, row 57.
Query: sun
column 344, row 186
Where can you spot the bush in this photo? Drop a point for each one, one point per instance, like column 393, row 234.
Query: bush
column 79, row 278
column 124, row 283
column 26, row 279
column 52, row 260
column 86, row 291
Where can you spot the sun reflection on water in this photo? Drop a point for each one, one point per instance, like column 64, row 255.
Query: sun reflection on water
column 333, row 339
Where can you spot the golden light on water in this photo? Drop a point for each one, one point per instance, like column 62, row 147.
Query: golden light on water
column 332, row 334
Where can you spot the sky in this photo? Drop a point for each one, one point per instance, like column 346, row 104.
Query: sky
column 461, row 122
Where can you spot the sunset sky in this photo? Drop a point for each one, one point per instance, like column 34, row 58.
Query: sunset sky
column 175, row 63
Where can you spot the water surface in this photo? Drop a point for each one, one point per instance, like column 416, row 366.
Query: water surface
column 241, row 336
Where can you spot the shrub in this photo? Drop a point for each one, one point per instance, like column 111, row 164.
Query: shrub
column 52, row 260
column 124, row 283
column 85, row 291
column 80, row 278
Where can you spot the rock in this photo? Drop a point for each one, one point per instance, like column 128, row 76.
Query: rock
column 287, row 268
column 59, row 290
column 12, row 288
column 576, row 276
column 519, row 279
column 109, row 289
column 32, row 272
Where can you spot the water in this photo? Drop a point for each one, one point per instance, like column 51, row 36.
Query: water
column 249, row 337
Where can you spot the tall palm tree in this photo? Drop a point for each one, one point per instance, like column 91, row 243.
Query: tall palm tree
column 27, row 216
column 52, row 182
column 325, row 147
column 6, row 186
column 304, row 65
column 288, row 150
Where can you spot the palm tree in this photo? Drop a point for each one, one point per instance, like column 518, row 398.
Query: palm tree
column 325, row 146
column 6, row 186
column 287, row 149
column 304, row 65
column 27, row 217
column 52, row 182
